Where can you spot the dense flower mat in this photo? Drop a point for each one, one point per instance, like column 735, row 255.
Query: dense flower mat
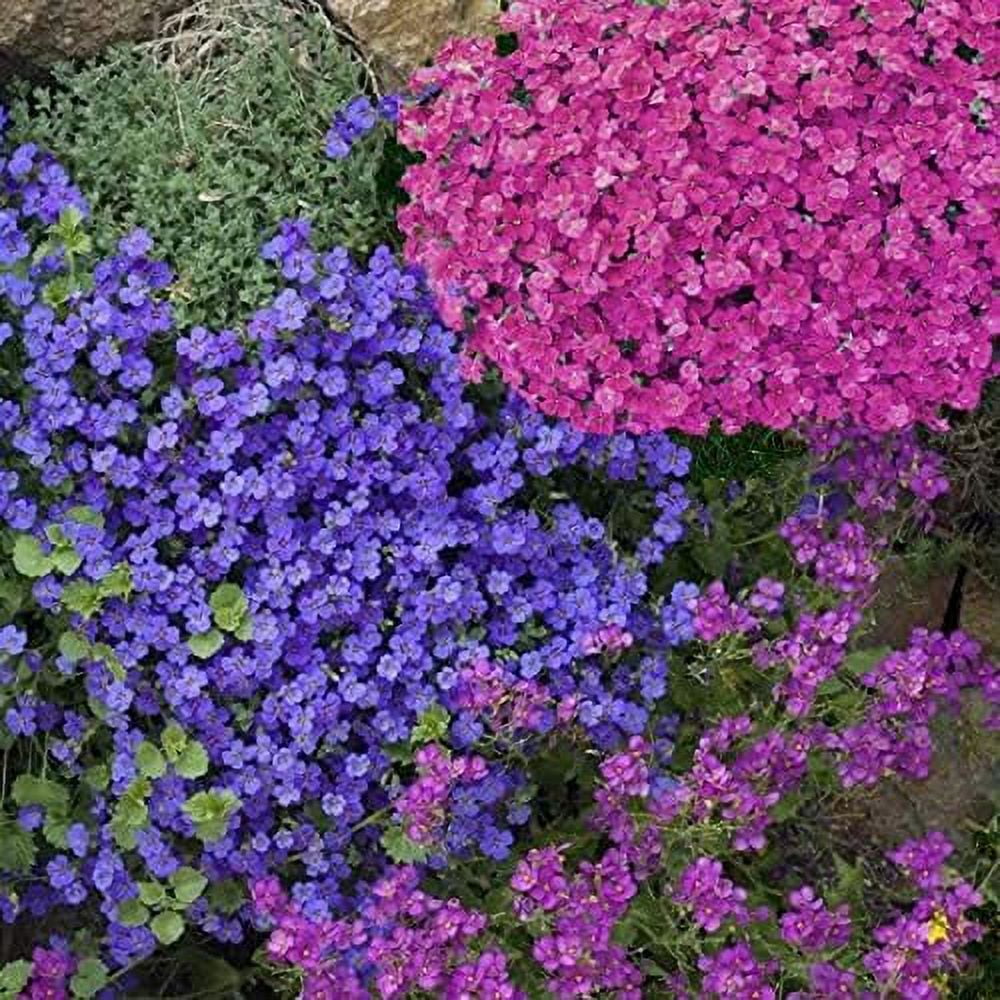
column 658, row 216
column 297, row 629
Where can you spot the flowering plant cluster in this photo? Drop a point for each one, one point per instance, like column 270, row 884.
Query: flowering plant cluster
column 249, row 573
column 660, row 877
column 299, row 629
column 652, row 217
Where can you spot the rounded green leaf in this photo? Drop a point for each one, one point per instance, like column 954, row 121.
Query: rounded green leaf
column 66, row 560
column 91, row 976
column 192, row 762
column 152, row 893
column 205, row 644
column 229, row 606
column 132, row 913
column 167, row 927
column 29, row 559
column 14, row 976
column 73, row 646
column 173, row 740
column 149, row 760
column 188, row 884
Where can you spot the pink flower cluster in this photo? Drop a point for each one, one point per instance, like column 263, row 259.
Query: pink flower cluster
column 576, row 949
column 812, row 926
column 422, row 804
column 739, row 785
column 509, row 704
column 409, row 940
column 656, row 217
column 713, row 899
column 906, row 689
column 51, row 969
column 920, row 946
column 881, row 470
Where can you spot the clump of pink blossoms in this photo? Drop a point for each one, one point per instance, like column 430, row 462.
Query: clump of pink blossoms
column 753, row 212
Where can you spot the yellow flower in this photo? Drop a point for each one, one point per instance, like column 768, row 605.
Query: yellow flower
column 937, row 929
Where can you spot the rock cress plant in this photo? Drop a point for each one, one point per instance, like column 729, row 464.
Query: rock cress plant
column 652, row 217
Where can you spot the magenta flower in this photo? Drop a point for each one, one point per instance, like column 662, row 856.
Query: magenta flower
column 660, row 216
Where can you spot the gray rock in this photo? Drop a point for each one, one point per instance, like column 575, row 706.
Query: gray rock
column 402, row 35
column 38, row 32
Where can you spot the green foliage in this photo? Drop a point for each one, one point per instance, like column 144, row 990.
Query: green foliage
column 192, row 761
column 187, row 884
column 30, row 790
column 90, row 977
column 149, row 760
column 17, row 848
column 13, row 978
column 206, row 644
column 167, row 927
column 29, row 559
column 210, row 812
column 431, row 726
column 401, row 848
column 229, row 607
column 210, row 152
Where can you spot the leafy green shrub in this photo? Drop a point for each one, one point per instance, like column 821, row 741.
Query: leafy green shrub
column 209, row 138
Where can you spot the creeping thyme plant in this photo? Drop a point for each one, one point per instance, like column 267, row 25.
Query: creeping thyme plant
column 386, row 628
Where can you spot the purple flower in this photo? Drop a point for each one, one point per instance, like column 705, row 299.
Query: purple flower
column 12, row 640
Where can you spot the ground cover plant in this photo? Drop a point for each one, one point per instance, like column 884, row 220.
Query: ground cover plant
column 205, row 139
column 638, row 199
column 325, row 672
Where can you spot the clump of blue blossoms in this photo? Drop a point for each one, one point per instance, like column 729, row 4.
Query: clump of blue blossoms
column 239, row 568
column 356, row 119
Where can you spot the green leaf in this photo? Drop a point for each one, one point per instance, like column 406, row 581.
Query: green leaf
column 188, row 884
column 90, row 977
column 13, row 594
column 149, row 760
column 57, row 536
column 124, row 836
column 227, row 896
column 214, row 975
column 117, row 583
column 432, row 725
column 152, row 893
column 57, row 291
column 401, row 753
column 193, row 761
column 401, row 848
column 29, row 559
column 30, row 790
column 83, row 598
column 17, row 848
column 861, row 661
column 70, row 219
column 98, row 777
column 54, row 829
column 173, row 740
column 206, row 644
column 229, row 606
column 86, row 515
column 14, row 977
column 66, row 560
column 167, row 927
column 132, row 811
column 132, row 913
column 210, row 813
column 73, row 646
column 245, row 630
column 850, row 882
